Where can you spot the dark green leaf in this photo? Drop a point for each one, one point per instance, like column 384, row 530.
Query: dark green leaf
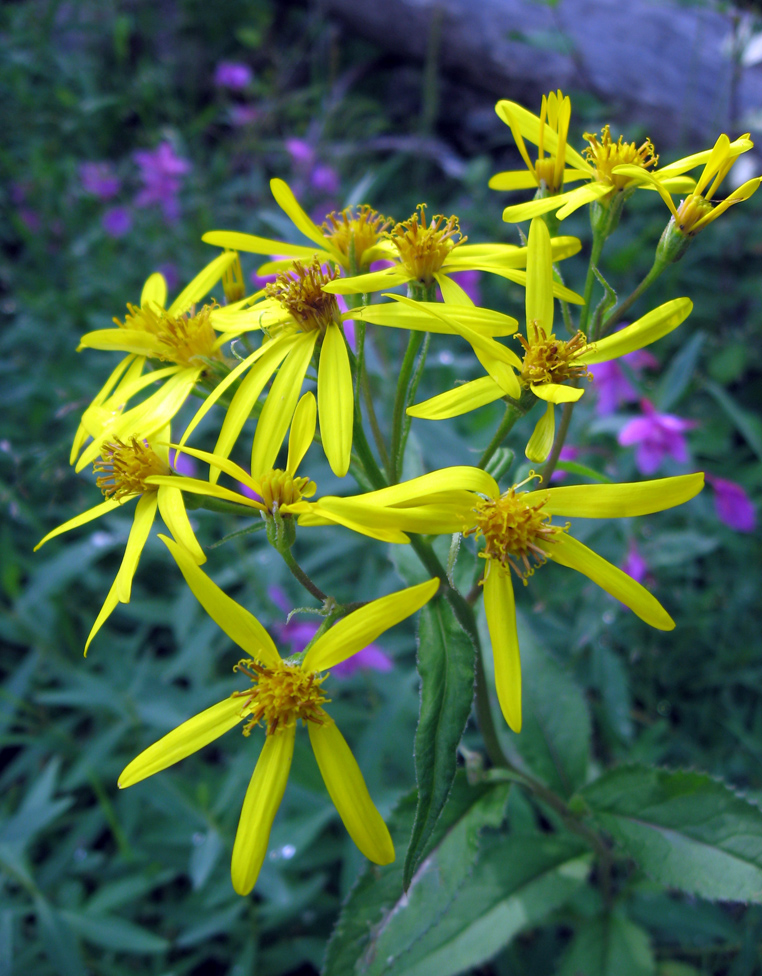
column 114, row 933
column 611, row 945
column 59, row 941
column 748, row 425
column 675, row 380
column 686, row 830
column 584, row 471
column 446, row 669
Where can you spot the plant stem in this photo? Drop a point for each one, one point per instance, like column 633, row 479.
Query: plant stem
column 514, row 410
column 595, row 256
column 299, row 574
column 558, row 443
column 406, row 420
column 623, row 307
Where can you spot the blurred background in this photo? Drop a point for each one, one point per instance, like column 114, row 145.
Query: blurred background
column 129, row 129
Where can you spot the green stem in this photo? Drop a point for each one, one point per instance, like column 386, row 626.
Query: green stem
column 617, row 313
column 400, row 400
column 514, row 411
column 558, row 443
column 412, row 390
column 299, row 574
column 595, row 255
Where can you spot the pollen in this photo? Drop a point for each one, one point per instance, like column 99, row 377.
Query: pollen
column 606, row 154
column 300, row 291
column 280, row 488
column 423, row 248
column 181, row 339
column 551, row 360
column 123, row 468
column 515, row 529
column 363, row 225
column 279, row 696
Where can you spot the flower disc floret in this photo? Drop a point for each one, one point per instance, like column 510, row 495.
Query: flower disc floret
column 551, row 360
column 515, row 528
column 300, row 291
column 182, row 339
column 605, row 154
column 123, row 468
column 280, row 695
column 279, row 488
column 363, row 225
column 423, row 249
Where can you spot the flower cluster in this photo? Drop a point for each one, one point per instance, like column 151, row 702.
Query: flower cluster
column 293, row 333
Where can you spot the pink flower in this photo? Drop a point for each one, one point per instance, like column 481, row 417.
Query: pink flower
column 301, row 152
column 732, row 504
column 568, row 453
column 611, row 384
column 161, row 171
column 634, row 564
column 233, row 75
column 324, row 178
column 658, row 435
column 100, row 180
column 117, row 221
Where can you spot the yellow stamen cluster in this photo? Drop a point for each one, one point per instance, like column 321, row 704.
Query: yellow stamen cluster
column 363, row 225
column 514, row 531
column 606, row 154
column 182, row 339
column 279, row 696
column 551, row 360
column 280, row 488
column 300, row 290
column 690, row 212
column 424, row 249
column 125, row 467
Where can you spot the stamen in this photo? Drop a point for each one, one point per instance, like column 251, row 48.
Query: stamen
column 605, row 155
column 280, row 488
column 281, row 695
column 182, row 339
column 125, row 467
column 424, row 249
column 362, row 224
column 551, row 360
column 300, row 290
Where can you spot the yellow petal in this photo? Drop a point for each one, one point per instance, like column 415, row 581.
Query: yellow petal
column 418, row 316
column 366, row 283
column 643, row 332
column 559, row 290
column 286, row 200
column 623, row 501
column 302, row 432
column 584, row 195
column 187, row 738
column 452, row 293
column 224, row 464
column 643, row 176
column 92, row 513
column 172, row 510
column 154, row 290
column 529, row 127
column 145, row 510
column 539, row 295
column 105, row 612
column 314, row 514
column 347, row 789
column 541, row 441
column 439, row 514
column 263, row 796
column 247, row 395
column 517, row 179
column 453, row 403
column 501, row 373
column 355, row 631
column 121, row 340
column 200, row 285
column 280, row 404
column 556, row 392
column 569, row 552
column 518, row 212
column 335, row 400
column 197, row 487
column 242, row 627
column 500, row 607
column 456, row 478
column 260, row 245
column 737, row 196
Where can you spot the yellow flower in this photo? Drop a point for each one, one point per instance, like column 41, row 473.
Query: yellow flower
column 179, row 335
column 699, row 209
column 429, row 253
column 610, row 167
column 281, row 693
column 518, row 537
column 357, row 229
column 549, row 362
column 124, row 472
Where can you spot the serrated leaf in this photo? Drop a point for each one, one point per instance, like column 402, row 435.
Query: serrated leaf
column 446, row 668
column 675, row 380
column 378, row 890
column 609, row 945
column 684, row 829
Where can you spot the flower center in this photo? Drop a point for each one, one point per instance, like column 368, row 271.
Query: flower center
column 424, row 249
column 123, row 468
column 182, row 339
column 280, row 488
column 300, row 291
column 279, row 696
column 514, row 531
column 606, row 154
column 551, row 360
column 690, row 211
column 363, row 225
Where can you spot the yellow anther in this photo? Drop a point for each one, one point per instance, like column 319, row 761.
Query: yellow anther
column 424, row 249
column 363, row 225
column 606, row 154
column 551, row 360
column 182, row 339
column 279, row 696
column 300, row 290
column 280, row 488
column 123, row 468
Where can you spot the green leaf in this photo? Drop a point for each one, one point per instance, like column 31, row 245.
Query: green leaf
column 584, row 471
column 748, row 425
column 684, row 829
column 455, row 840
column 58, row 940
column 608, row 301
column 555, row 739
column 114, row 933
column 673, row 548
column 446, row 669
column 610, row 945
column 675, row 380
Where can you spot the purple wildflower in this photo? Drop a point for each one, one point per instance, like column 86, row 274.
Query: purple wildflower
column 568, row 453
column 183, row 463
column 324, row 178
column 99, row 180
column 611, row 383
column 117, row 221
column 658, row 435
column 634, row 564
column 241, row 115
column 732, row 504
column 232, row 75
column 161, row 171
column 302, row 154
